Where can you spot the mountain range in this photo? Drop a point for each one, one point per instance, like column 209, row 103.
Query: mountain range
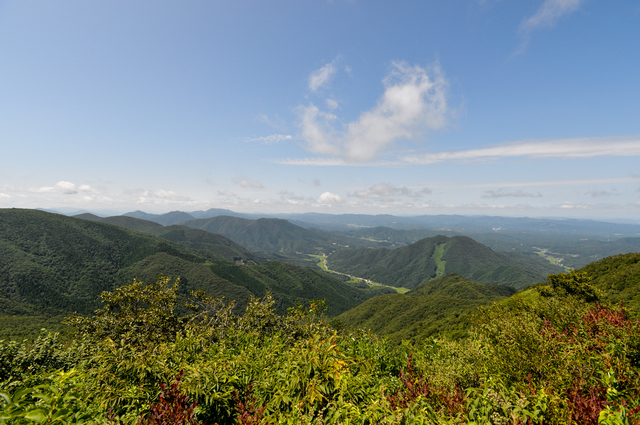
column 410, row 265
column 53, row 265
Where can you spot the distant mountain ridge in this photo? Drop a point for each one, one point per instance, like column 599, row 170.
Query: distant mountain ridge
column 174, row 217
column 410, row 265
column 179, row 217
column 441, row 222
column 276, row 235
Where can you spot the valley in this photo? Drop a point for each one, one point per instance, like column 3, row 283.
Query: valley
column 354, row 279
column 228, row 254
column 301, row 319
column 553, row 257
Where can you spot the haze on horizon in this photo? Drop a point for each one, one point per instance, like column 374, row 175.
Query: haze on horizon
column 473, row 107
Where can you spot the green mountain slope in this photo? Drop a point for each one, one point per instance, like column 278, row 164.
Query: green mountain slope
column 435, row 307
column 192, row 238
column 429, row 258
column 618, row 277
column 52, row 265
column 288, row 284
column 275, row 235
column 442, row 305
column 203, row 240
column 130, row 223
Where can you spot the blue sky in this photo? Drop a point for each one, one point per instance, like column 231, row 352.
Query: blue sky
column 490, row 107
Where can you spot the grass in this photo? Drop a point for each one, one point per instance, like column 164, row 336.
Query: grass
column 544, row 253
column 322, row 263
column 437, row 257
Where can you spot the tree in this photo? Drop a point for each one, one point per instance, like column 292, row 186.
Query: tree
column 137, row 314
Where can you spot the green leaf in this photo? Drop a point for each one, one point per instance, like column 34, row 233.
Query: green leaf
column 20, row 394
column 37, row 415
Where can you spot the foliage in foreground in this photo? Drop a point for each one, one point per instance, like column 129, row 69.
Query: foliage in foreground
column 550, row 355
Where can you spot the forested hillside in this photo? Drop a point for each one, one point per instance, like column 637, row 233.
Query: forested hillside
column 191, row 238
column 434, row 308
column 558, row 353
column 52, row 265
column 429, row 258
column 444, row 306
column 277, row 235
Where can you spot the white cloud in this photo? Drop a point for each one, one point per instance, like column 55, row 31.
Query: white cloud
column 166, row 194
column 331, row 104
column 329, row 198
column 383, row 190
column 334, row 162
column 549, row 13
column 561, row 148
column 63, row 187
column 227, row 193
column 293, row 197
column 317, row 130
column 272, row 139
column 501, row 193
column 547, row 16
column 322, row 76
column 572, row 205
column 249, row 183
column 147, row 195
column 414, row 99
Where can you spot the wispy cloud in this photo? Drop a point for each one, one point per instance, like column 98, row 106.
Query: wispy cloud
column 501, row 193
column 331, row 104
column 227, row 194
column 293, row 197
column 576, row 182
column 573, row 205
column 272, row 139
column 600, row 193
column 155, row 196
column 276, row 122
column 414, row 99
column 317, row 130
column 249, row 183
column 322, row 76
column 576, row 148
column 561, row 148
column 383, row 190
column 333, row 162
column 547, row 16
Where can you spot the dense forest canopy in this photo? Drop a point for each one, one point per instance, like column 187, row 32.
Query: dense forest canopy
column 556, row 353
column 158, row 343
